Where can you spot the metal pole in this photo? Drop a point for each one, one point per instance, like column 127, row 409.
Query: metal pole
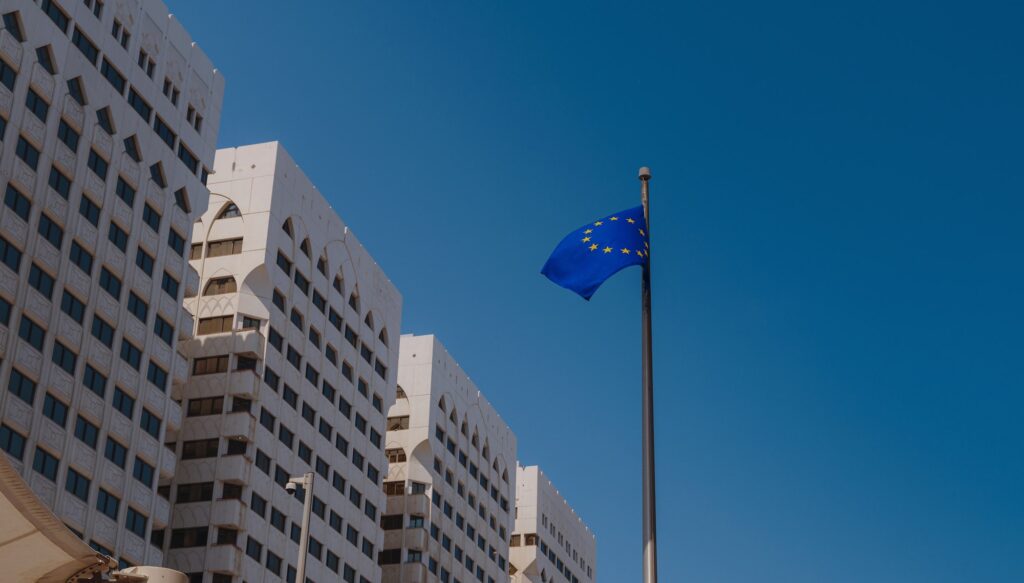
column 307, row 507
column 650, row 548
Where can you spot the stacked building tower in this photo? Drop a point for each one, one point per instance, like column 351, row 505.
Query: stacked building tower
column 293, row 367
column 108, row 124
column 452, row 474
column 291, row 364
column 550, row 542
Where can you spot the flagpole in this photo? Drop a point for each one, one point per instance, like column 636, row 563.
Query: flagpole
column 650, row 547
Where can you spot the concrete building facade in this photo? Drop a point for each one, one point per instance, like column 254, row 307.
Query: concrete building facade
column 451, row 477
column 292, row 368
column 550, row 543
column 108, row 124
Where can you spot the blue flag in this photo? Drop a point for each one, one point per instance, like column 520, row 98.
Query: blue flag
column 598, row 250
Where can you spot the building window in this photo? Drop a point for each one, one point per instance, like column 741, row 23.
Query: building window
column 115, row 452
column 55, row 410
column 45, row 464
column 225, row 247
column 220, row 285
column 210, row 365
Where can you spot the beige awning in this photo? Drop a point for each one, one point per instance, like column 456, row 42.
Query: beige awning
column 35, row 546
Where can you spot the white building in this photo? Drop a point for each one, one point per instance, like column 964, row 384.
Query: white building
column 292, row 369
column 451, row 476
column 550, row 542
column 108, row 124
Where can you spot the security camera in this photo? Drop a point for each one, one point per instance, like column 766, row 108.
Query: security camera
column 290, row 487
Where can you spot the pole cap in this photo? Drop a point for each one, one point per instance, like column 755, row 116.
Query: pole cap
column 645, row 173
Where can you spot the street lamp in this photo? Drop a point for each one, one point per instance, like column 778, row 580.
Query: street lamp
column 306, row 481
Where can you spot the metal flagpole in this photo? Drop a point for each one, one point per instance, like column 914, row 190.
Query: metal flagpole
column 650, row 541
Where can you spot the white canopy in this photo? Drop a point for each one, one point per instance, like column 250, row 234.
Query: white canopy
column 35, row 546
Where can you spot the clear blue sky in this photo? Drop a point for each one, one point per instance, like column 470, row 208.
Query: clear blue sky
column 838, row 202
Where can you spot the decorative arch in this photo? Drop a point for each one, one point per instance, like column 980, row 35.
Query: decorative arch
column 288, row 228
column 453, row 417
column 441, row 405
column 339, row 285
column 220, row 285
column 229, row 211
column 383, row 336
column 368, row 320
column 304, row 247
column 321, row 264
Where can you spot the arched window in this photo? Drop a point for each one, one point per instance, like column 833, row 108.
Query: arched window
column 453, row 417
column 338, row 285
column 287, row 228
column 441, row 405
column 353, row 300
column 229, row 211
column 304, row 246
column 321, row 265
column 465, row 428
column 220, row 285
column 400, row 393
column 368, row 320
column 383, row 336
column 504, row 476
column 487, row 452
column 476, row 439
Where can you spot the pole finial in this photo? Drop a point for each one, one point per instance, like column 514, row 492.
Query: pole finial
column 645, row 173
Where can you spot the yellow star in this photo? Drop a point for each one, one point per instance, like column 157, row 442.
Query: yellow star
column 625, row 251
column 614, row 219
column 640, row 253
column 630, row 221
column 646, row 246
column 607, row 249
column 598, row 224
column 642, row 233
column 593, row 246
column 586, row 239
column 588, row 231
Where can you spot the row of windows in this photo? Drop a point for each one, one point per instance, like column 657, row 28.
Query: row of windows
column 305, row 452
column 53, row 234
column 474, row 471
column 118, row 82
column 47, row 464
column 334, row 317
column 66, row 358
column 545, row 523
column 461, row 557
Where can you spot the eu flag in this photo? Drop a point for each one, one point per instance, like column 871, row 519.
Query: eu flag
column 596, row 251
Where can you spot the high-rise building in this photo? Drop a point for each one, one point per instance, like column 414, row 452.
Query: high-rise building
column 550, row 543
column 108, row 124
column 292, row 368
column 451, row 478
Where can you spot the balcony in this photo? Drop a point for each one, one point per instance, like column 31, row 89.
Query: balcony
column 233, row 468
column 245, row 384
column 241, row 424
column 223, row 559
column 227, row 513
column 410, row 504
column 407, row 573
column 191, row 282
column 186, row 326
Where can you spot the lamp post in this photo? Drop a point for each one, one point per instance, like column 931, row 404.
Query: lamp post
column 306, row 481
